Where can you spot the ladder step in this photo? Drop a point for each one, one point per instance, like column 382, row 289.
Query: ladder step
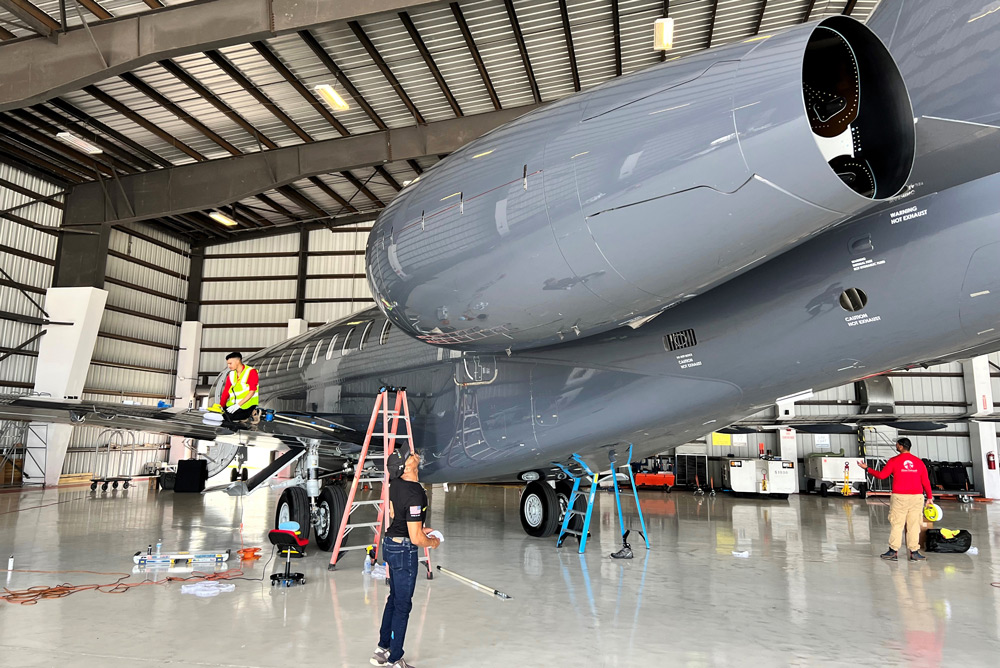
column 388, row 433
column 363, row 524
column 344, row 548
column 368, row 503
column 371, row 480
column 572, row 532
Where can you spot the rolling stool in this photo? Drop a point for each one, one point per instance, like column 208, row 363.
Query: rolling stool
column 287, row 538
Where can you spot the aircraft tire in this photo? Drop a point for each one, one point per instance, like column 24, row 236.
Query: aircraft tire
column 539, row 509
column 329, row 513
column 294, row 505
column 824, row 489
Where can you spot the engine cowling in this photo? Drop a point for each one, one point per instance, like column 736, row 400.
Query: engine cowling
column 609, row 206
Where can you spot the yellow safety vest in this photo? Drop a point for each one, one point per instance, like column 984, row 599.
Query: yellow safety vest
column 239, row 390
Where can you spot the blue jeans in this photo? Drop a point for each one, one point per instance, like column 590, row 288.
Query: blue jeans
column 402, row 561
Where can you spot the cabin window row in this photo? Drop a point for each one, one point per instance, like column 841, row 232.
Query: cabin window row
column 290, row 358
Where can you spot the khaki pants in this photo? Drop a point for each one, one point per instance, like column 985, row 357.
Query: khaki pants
column 905, row 509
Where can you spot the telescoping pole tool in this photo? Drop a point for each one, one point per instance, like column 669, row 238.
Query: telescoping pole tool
column 477, row 585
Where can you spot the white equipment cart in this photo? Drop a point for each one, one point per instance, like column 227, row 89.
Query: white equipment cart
column 766, row 477
column 831, row 475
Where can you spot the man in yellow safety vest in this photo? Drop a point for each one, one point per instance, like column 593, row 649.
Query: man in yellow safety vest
column 240, row 393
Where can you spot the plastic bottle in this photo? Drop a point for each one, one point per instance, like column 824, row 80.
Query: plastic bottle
column 159, row 544
column 366, row 569
column 10, row 563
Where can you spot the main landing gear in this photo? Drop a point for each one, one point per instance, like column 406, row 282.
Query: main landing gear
column 543, row 506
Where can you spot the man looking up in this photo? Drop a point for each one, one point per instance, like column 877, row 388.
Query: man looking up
column 239, row 394
column 909, row 484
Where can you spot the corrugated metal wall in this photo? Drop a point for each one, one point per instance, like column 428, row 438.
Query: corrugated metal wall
column 937, row 390
column 27, row 254
column 135, row 357
column 249, row 289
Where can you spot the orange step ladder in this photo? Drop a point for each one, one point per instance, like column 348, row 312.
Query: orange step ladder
column 371, row 469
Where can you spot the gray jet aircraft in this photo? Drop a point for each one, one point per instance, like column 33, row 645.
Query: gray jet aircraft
column 658, row 257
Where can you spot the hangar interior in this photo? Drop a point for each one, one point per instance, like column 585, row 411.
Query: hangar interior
column 216, row 201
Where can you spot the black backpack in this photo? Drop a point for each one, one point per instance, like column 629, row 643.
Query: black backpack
column 938, row 543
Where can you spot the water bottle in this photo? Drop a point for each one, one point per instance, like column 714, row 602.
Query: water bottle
column 159, row 544
column 10, row 563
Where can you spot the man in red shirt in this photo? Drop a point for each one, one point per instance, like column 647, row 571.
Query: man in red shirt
column 909, row 484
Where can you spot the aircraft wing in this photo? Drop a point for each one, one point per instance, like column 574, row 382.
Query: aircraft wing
column 171, row 421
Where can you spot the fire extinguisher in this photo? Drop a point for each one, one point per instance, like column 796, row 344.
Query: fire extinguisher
column 991, row 461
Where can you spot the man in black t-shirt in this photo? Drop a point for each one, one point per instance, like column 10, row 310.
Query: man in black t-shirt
column 406, row 533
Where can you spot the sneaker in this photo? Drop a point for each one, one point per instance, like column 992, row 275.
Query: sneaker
column 890, row 555
column 624, row 553
column 380, row 657
column 916, row 556
column 402, row 664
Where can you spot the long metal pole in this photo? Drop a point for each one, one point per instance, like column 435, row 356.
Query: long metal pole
column 495, row 592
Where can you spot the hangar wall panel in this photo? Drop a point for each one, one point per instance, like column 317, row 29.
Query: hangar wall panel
column 248, row 315
column 27, row 254
column 135, row 357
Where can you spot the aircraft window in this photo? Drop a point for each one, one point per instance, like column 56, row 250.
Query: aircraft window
column 281, row 359
column 385, row 333
column 347, row 339
column 333, row 345
column 302, row 357
column 853, row 299
column 291, row 358
column 319, row 344
column 364, row 335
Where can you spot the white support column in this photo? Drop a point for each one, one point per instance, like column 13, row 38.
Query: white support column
column 297, row 326
column 188, row 359
column 64, row 355
column 982, row 435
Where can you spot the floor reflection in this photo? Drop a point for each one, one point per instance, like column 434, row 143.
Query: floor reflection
column 810, row 591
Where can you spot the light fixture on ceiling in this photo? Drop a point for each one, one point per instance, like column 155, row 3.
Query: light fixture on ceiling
column 331, row 97
column 663, row 34
column 222, row 219
column 77, row 143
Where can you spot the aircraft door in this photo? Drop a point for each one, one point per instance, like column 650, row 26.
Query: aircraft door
column 979, row 308
column 476, row 370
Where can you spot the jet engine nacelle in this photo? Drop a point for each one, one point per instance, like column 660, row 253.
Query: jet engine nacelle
column 609, row 206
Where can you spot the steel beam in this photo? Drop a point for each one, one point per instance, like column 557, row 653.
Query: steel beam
column 760, row 17
column 568, row 34
column 35, row 18
column 383, row 67
column 429, row 61
column 711, row 23
column 39, row 70
column 617, row 26
column 470, row 42
column 515, row 25
column 214, row 183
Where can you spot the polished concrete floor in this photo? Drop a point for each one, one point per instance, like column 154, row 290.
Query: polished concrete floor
column 812, row 591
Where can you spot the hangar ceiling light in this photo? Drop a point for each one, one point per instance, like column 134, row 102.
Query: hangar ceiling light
column 663, row 34
column 331, row 97
column 222, row 219
column 77, row 143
